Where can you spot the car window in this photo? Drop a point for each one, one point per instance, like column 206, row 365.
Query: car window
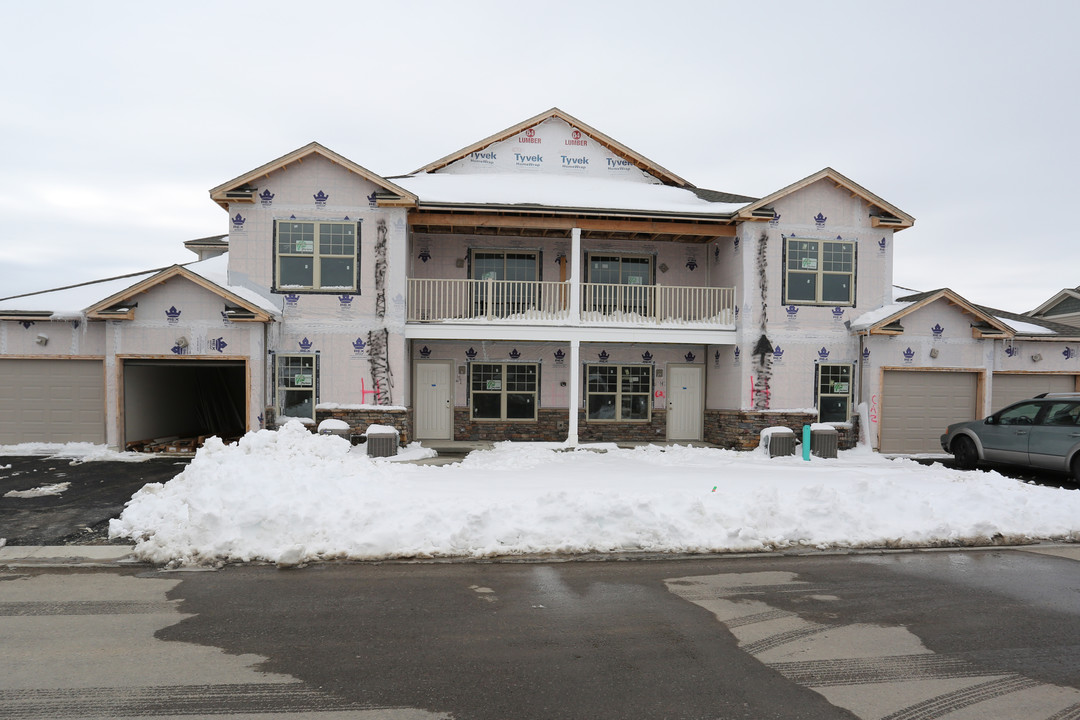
column 1061, row 413
column 1022, row 414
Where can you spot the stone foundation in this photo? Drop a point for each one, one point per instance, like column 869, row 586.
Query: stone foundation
column 552, row 425
column 741, row 429
column 359, row 420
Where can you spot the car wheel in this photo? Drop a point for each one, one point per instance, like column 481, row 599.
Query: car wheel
column 1075, row 467
column 965, row 453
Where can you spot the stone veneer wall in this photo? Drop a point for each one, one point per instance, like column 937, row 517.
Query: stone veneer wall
column 360, row 419
column 741, row 429
column 552, row 425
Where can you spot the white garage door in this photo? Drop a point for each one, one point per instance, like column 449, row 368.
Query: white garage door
column 916, row 407
column 1009, row 388
column 54, row 401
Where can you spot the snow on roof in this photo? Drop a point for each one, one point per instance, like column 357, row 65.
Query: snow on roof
column 1023, row 328
column 559, row 191
column 71, row 302
column 872, row 317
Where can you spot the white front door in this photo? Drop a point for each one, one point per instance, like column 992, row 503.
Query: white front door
column 434, row 400
column 685, row 402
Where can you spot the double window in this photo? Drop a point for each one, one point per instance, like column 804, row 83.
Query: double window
column 503, row 391
column 819, row 272
column 834, row 393
column 296, row 385
column 316, row 255
column 619, row 393
column 620, row 284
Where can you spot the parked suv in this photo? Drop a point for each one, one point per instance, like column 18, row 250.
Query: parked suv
column 1043, row 432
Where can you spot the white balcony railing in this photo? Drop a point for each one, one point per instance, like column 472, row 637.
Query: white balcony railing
column 433, row 300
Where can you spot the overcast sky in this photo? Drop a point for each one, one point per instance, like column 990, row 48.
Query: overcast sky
column 118, row 117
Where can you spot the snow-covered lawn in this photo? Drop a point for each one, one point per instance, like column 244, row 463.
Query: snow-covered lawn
column 291, row 496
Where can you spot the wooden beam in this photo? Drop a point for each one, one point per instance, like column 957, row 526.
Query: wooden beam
column 652, row 227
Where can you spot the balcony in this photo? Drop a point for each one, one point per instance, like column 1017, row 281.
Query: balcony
column 530, row 302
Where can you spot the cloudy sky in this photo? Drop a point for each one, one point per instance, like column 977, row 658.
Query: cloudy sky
column 118, row 117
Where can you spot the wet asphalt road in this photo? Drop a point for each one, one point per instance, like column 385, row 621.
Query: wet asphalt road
column 988, row 634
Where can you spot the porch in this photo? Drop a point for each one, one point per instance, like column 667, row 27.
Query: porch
column 546, row 302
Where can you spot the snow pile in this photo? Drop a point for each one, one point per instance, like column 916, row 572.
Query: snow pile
column 77, row 452
column 41, row 491
column 291, row 496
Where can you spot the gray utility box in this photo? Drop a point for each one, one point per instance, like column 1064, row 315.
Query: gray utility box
column 382, row 444
column 824, row 442
column 781, row 441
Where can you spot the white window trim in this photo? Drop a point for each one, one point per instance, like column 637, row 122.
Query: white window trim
column 849, row 394
column 280, row 388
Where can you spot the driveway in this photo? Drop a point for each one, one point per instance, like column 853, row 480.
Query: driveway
column 80, row 513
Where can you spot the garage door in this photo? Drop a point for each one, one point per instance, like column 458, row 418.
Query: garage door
column 1009, row 388
column 916, row 407
column 54, row 401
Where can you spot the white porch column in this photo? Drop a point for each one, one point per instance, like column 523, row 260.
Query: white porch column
column 575, row 276
column 575, row 391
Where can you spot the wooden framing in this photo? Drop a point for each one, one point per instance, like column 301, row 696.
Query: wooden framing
column 475, row 222
column 103, row 310
column 999, row 329
column 235, row 190
column 893, row 216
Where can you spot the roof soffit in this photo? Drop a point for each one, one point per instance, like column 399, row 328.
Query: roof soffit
column 99, row 310
column 218, row 194
column 924, row 299
column 892, row 216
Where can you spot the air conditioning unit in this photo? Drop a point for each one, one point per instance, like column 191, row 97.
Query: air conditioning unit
column 382, row 444
column 824, row 442
column 779, row 441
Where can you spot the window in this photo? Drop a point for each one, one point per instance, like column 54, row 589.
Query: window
column 618, row 392
column 516, row 294
column 834, row 393
column 1020, row 414
column 311, row 255
column 619, row 283
column 503, row 391
column 819, row 271
column 1062, row 413
column 296, row 385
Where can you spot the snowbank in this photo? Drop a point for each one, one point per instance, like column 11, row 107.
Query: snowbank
column 291, row 496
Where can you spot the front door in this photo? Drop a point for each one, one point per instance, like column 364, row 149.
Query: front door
column 685, row 402
column 434, row 400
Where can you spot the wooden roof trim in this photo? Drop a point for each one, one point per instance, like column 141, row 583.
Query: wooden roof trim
column 841, row 181
column 1052, row 302
column 217, row 194
column 952, row 298
column 643, row 225
column 642, row 162
column 97, row 311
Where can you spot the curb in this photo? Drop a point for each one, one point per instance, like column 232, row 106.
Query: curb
column 18, row 556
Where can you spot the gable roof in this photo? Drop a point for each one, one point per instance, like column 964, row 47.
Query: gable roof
column 119, row 305
column 616, row 147
column 240, row 189
column 1056, row 300
column 888, row 215
column 885, row 321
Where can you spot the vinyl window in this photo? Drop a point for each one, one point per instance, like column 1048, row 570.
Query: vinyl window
column 819, row 272
column 296, row 384
column 618, row 393
column 834, row 393
column 503, row 391
column 315, row 255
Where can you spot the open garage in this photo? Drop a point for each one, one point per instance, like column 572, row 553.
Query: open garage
column 52, row 401
column 183, row 400
column 917, row 406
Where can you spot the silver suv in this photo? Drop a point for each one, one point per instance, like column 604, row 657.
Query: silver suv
column 1043, row 432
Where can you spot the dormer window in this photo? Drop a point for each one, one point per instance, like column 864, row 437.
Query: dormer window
column 316, row 256
column 819, row 272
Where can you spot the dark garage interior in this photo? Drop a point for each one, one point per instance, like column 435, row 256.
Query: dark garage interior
column 179, row 402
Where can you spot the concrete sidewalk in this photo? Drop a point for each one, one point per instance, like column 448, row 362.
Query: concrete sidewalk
column 15, row 556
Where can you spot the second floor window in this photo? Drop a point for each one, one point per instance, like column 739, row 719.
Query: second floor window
column 819, row 272
column 314, row 255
